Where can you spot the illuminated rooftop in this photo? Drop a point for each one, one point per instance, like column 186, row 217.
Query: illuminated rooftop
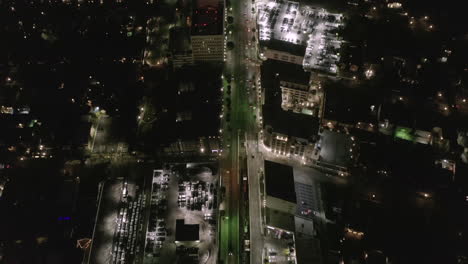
column 303, row 26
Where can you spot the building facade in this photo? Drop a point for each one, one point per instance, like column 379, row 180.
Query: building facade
column 207, row 33
column 285, row 145
column 284, row 56
column 300, row 98
column 201, row 146
column 208, row 47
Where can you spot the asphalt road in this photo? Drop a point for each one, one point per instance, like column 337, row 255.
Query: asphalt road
column 255, row 158
column 243, row 127
column 230, row 249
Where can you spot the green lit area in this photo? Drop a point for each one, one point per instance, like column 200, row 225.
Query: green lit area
column 307, row 111
column 404, row 133
column 225, row 84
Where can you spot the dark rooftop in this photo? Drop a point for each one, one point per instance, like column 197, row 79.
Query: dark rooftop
column 207, row 21
column 280, row 181
column 179, row 40
column 276, row 44
column 186, row 232
column 198, row 102
column 290, row 123
column 292, row 73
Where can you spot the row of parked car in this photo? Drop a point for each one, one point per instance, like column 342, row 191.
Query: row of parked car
column 157, row 231
column 189, row 254
column 196, row 195
column 126, row 230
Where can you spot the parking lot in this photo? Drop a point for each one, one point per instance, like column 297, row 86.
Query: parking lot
column 323, row 43
column 185, row 192
column 303, row 25
column 128, row 220
column 279, row 246
column 157, row 232
column 284, row 21
column 119, row 218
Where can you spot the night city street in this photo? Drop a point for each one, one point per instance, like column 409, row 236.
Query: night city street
column 233, row 132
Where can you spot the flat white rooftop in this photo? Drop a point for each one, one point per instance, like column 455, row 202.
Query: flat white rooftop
column 314, row 28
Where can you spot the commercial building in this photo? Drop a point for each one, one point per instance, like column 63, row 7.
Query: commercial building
column 284, row 51
column 293, row 140
column 305, row 98
column 194, row 121
column 289, row 129
column 290, row 200
column 207, row 34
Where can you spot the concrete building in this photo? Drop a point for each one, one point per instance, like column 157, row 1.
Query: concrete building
column 193, row 123
column 288, row 195
column 284, row 51
column 287, row 129
column 301, row 98
column 207, row 34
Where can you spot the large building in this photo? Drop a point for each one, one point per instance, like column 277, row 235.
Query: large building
column 289, row 128
column 300, row 34
column 303, row 98
column 194, row 122
column 284, row 51
column 279, row 188
column 290, row 208
column 207, row 34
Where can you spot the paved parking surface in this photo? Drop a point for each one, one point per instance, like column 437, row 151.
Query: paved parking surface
column 305, row 26
column 187, row 196
column 117, row 223
column 335, row 148
column 279, row 247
